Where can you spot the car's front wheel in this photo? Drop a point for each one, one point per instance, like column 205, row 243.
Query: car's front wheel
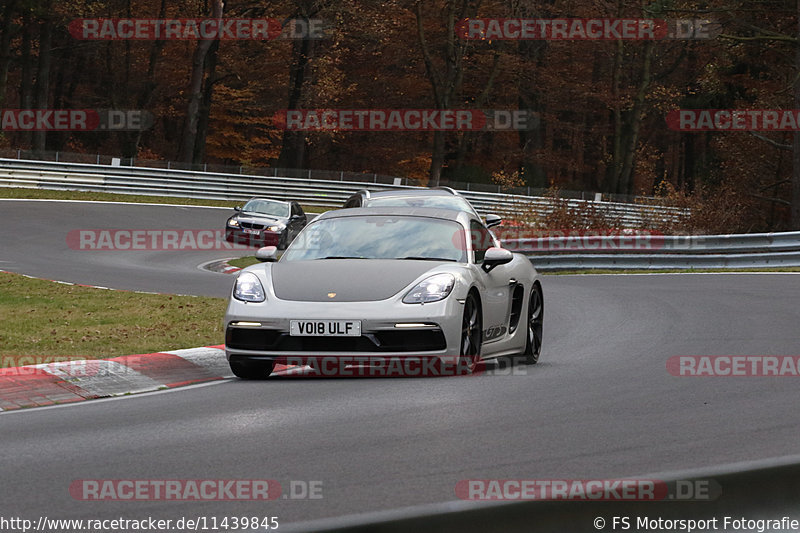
column 535, row 324
column 251, row 369
column 471, row 331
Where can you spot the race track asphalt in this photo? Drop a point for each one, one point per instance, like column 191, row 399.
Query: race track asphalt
column 599, row 404
column 42, row 239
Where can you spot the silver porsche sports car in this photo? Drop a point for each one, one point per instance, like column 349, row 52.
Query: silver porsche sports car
column 368, row 285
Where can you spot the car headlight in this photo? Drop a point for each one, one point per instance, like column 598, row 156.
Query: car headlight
column 276, row 227
column 233, row 223
column 432, row 289
column 248, row 288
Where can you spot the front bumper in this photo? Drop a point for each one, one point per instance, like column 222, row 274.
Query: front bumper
column 263, row 238
column 390, row 329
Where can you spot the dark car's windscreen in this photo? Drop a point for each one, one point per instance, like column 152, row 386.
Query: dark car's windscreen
column 380, row 237
column 265, row 207
column 441, row 202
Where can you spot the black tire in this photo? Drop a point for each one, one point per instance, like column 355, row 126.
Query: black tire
column 534, row 325
column 471, row 334
column 251, row 369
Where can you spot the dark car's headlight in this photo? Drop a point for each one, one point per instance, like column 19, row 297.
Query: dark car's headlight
column 232, row 222
column 431, row 289
column 248, row 288
column 276, row 227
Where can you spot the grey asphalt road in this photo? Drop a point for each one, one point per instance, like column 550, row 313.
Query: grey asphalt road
column 40, row 238
column 599, row 404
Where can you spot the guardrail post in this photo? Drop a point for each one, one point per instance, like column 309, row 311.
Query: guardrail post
column 309, row 173
column 56, row 156
column 341, row 175
column 374, row 178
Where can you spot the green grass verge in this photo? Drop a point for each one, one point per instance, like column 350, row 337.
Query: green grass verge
column 243, row 262
column 670, row 271
column 44, row 194
column 42, row 318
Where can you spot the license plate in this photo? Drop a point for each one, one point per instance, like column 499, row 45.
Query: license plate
column 251, row 231
column 325, row 328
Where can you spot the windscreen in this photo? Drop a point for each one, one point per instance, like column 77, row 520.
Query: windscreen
column 380, row 237
column 266, row 207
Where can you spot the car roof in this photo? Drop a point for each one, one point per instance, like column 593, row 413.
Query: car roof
column 424, row 212
column 413, row 192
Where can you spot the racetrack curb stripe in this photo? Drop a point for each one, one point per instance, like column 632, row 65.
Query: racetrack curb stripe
column 74, row 381
column 33, row 389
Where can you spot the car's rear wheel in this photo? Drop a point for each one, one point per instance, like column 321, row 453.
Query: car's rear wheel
column 251, row 369
column 471, row 331
column 535, row 324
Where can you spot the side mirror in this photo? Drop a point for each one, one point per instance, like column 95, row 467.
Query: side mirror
column 493, row 220
column 268, row 254
column 496, row 256
column 237, row 208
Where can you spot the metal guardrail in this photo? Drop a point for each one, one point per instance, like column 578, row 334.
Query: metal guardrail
column 605, row 252
column 315, row 192
column 766, row 489
column 663, row 262
column 650, row 252
column 336, row 175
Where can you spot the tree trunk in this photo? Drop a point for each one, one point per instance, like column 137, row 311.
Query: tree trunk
column 445, row 85
column 5, row 47
column 43, row 78
column 205, row 108
column 293, row 146
column 612, row 182
column 26, row 75
column 129, row 140
column 795, row 221
column 634, row 123
column 437, row 159
column 189, row 137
